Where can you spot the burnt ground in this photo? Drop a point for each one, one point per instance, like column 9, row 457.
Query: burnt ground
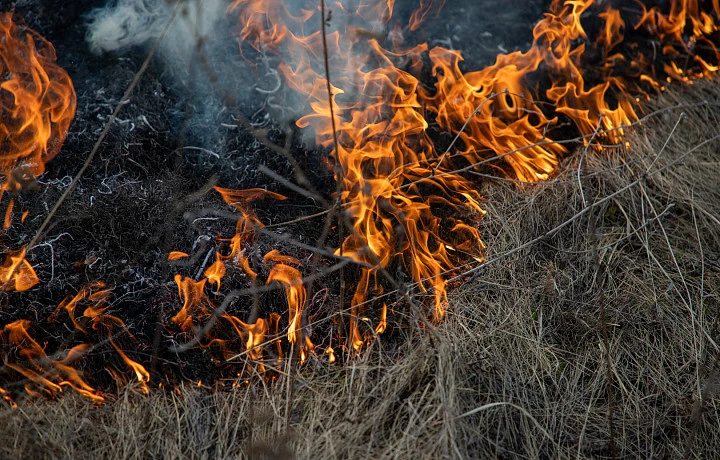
column 131, row 206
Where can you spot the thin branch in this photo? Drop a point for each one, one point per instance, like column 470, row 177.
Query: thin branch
column 600, row 275
column 339, row 173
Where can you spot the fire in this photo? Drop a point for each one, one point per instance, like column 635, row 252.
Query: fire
column 497, row 112
column 291, row 279
column 45, row 375
column 48, row 374
column 215, row 272
column 177, row 255
column 386, row 158
column 200, row 318
column 247, row 224
column 195, row 303
column 406, row 204
column 200, row 315
column 213, row 327
column 37, row 105
column 17, row 273
column 410, row 203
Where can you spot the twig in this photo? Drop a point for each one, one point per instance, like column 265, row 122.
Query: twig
column 600, row 275
column 667, row 140
column 582, row 158
column 339, row 173
column 286, row 183
column 315, row 249
column 290, row 386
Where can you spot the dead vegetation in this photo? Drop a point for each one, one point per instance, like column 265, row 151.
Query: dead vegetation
column 519, row 366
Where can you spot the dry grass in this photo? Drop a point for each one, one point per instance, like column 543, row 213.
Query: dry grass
column 518, row 367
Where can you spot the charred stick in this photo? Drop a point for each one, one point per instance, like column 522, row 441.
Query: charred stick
column 286, row 183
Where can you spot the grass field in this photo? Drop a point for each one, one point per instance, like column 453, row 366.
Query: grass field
column 621, row 250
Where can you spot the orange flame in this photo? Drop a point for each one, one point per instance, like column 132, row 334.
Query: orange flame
column 382, row 325
column 291, row 279
column 7, row 223
column 247, row 222
column 7, row 398
column 17, row 273
column 385, row 153
column 177, row 255
column 37, row 105
column 396, row 185
column 195, row 302
column 101, row 322
column 215, row 272
column 421, row 13
column 49, row 374
column 275, row 256
column 255, row 337
column 45, row 374
column 408, row 203
column 197, row 307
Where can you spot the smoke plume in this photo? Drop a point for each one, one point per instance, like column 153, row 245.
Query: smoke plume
column 126, row 23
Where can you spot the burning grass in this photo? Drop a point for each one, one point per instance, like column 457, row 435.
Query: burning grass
column 405, row 216
column 518, row 365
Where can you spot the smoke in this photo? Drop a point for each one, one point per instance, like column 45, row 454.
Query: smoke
column 199, row 57
column 123, row 24
column 200, row 51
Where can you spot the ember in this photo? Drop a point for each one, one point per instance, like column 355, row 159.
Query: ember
column 405, row 203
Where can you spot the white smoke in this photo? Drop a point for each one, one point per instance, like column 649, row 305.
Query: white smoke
column 217, row 68
column 123, row 24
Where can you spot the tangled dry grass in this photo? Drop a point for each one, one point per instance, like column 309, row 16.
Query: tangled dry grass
column 519, row 367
